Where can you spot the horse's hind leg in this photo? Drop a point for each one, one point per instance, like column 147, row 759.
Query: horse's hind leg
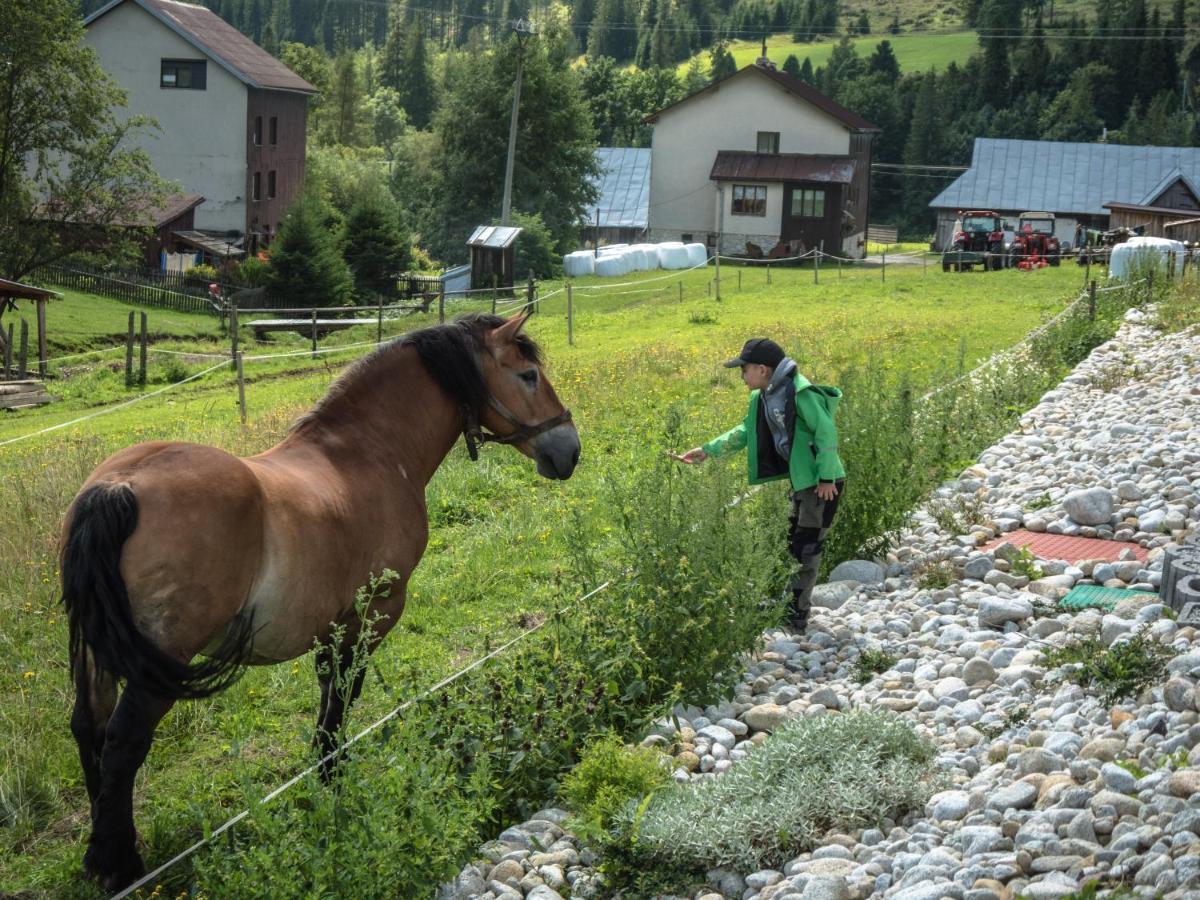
column 95, row 698
column 341, row 678
column 112, row 852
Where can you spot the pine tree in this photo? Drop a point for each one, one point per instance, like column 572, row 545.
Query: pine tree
column 924, row 147
column 791, row 65
column 376, row 249
column 305, row 266
column 864, row 23
column 806, row 72
column 417, row 94
column 721, row 62
column 883, row 62
column 346, row 103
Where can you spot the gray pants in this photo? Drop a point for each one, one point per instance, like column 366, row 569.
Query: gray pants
column 809, row 522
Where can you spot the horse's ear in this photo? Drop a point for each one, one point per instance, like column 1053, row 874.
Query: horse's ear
column 507, row 333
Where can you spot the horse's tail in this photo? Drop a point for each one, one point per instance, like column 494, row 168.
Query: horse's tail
column 99, row 615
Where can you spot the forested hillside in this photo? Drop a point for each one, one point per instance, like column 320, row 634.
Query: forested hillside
column 419, row 93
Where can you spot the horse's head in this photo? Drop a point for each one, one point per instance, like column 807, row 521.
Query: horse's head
column 523, row 409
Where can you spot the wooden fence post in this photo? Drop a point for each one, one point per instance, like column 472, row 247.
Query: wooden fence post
column 129, row 353
column 1092, row 300
column 241, row 382
column 233, row 333
column 740, row 278
column 23, row 356
column 570, row 316
column 442, row 303
column 495, row 288
column 680, row 296
column 41, row 336
column 883, row 268
column 817, row 267
column 8, row 352
column 314, row 333
column 1150, row 284
column 529, row 298
column 379, row 324
column 145, row 350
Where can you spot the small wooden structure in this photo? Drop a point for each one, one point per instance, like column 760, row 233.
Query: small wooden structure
column 492, row 250
column 10, row 293
column 263, row 327
column 23, row 394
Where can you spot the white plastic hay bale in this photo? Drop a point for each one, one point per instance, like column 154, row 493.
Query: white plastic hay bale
column 673, row 255
column 612, row 264
column 1137, row 252
column 697, row 254
column 649, row 256
column 579, row 263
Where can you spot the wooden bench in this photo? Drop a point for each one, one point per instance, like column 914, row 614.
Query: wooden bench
column 304, row 326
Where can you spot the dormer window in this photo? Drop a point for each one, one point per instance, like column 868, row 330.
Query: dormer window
column 768, row 142
column 186, row 74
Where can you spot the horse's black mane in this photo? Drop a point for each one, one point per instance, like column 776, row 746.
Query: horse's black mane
column 448, row 352
column 450, row 355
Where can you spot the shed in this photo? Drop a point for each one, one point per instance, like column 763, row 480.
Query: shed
column 10, row 293
column 621, row 213
column 492, row 251
column 1082, row 184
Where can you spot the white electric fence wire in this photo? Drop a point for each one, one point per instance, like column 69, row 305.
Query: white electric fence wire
column 109, row 409
column 445, row 682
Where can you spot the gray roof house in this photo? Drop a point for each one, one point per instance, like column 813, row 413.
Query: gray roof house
column 622, row 208
column 1080, row 183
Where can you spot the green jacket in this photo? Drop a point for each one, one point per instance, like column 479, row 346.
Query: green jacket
column 814, row 455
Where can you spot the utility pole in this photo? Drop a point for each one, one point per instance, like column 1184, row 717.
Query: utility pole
column 523, row 30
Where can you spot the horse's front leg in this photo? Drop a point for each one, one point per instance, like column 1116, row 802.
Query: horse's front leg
column 112, row 852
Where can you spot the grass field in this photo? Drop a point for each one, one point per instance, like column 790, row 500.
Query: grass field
column 496, row 553
column 915, row 52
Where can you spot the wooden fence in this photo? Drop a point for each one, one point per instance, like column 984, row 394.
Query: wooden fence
column 161, row 290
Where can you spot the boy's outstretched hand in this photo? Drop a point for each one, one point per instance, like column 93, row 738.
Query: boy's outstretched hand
column 693, row 457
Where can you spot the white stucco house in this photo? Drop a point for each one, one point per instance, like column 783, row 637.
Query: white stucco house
column 232, row 118
column 760, row 162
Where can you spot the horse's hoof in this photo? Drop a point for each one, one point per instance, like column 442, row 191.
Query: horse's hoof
column 113, row 871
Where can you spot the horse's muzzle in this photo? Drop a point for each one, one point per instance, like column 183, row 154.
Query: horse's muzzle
column 557, row 452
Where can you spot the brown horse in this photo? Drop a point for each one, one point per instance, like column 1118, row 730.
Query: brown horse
column 174, row 550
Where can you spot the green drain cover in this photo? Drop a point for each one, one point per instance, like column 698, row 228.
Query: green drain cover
column 1097, row 596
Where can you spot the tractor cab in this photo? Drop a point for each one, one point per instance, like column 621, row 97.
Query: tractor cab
column 1034, row 244
column 978, row 240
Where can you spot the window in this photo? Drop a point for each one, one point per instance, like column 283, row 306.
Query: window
column 190, row 74
column 274, row 130
column 257, row 192
column 258, row 131
column 686, row 238
column 749, row 200
column 768, row 142
column 271, row 185
column 808, row 203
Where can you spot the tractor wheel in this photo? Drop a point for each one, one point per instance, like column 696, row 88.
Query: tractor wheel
column 945, row 266
column 994, row 261
column 1055, row 259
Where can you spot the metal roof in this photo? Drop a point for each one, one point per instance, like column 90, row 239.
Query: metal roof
column 495, row 237
column 216, row 38
column 1064, row 177
column 622, row 188
column 741, row 165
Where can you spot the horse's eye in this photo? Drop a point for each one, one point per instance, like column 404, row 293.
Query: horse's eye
column 529, row 376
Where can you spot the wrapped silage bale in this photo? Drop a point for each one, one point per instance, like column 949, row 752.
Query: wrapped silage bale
column 611, row 264
column 579, row 263
column 1136, row 253
column 697, row 254
column 648, row 254
column 672, row 255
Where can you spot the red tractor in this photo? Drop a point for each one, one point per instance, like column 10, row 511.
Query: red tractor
column 1034, row 244
column 978, row 240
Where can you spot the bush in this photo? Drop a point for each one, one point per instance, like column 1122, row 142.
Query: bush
column 1123, row 670
column 536, row 252
column 607, row 778
column 201, row 274
column 812, row 776
column 253, row 272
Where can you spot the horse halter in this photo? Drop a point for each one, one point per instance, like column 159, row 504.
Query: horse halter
column 475, row 436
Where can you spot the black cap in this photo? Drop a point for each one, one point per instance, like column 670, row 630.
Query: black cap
column 758, row 350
